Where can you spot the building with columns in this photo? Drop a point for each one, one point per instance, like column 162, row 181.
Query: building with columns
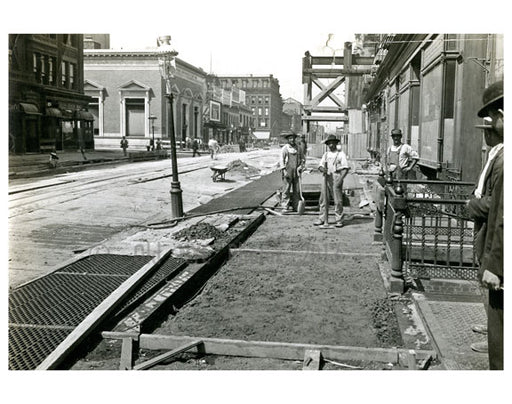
column 128, row 90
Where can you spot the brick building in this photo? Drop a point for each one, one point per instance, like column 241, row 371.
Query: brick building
column 47, row 105
column 430, row 86
column 264, row 99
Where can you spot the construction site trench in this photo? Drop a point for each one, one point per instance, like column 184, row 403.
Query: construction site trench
column 288, row 282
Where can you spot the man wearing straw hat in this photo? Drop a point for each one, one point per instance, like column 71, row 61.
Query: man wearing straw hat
column 292, row 162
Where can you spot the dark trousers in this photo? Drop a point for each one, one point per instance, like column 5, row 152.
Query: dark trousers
column 495, row 329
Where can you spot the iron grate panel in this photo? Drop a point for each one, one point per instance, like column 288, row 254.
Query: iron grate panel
column 166, row 271
column 60, row 299
column 424, row 271
column 29, row 346
column 65, row 297
column 108, row 264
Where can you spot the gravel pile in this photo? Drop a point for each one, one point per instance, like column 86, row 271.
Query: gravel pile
column 199, row 231
column 385, row 322
column 240, row 167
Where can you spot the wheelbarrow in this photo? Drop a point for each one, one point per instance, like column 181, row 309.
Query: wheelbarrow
column 219, row 173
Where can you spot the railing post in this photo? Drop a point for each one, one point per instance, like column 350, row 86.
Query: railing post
column 399, row 206
column 379, row 198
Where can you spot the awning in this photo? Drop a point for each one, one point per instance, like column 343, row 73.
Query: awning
column 55, row 112
column 261, row 135
column 85, row 115
column 29, row 108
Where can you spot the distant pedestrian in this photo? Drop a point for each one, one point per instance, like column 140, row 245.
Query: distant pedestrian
column 214, row 148
column 124, row 144
column 54, row 160
column 303, row 145
column 337, row 170
column 158, row 144
column 486, row 209
column 400, row 157
column 195, row 148
column 292, row 163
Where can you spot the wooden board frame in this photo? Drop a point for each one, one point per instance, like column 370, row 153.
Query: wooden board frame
column 275, row 350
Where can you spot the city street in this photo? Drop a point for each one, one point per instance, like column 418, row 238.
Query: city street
column 52, row 219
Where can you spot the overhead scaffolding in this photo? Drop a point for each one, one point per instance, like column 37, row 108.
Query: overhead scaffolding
column 339, row 69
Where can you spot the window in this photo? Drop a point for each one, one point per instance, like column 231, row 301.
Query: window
column 266, row 121
column 266, row 99
column 37, row 66
column 72, row 76
column 260, row 111
column 262, row 123
column 64, row 76
column 253, row 110
column 253, row 100
column 265, row 84
column 44, row 77
column 260, row 100
column 51, row 71
column 266, row 111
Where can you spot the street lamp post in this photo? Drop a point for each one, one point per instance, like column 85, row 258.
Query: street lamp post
column 152, row 119
column 167, row 63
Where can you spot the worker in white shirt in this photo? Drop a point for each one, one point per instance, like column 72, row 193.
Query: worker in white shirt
column 213, row 147
column 337, row 170
column 400, row 157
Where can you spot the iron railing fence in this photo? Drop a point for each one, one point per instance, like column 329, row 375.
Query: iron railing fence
column 426, row 230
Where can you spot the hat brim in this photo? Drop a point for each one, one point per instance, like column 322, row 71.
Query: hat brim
column 483, row 111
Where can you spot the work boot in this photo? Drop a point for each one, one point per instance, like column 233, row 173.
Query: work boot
column 318, row 222
column 481, row 346
column 339, row 224
column 479, row 329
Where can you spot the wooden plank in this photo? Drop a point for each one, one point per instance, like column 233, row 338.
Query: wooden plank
column 100, row 313
column 340, row 60
column 411, row 360
column 277, row 350
column 341, row 254
column 167, row 355
column 126, row 354
column 311, row 360
column 325, row 118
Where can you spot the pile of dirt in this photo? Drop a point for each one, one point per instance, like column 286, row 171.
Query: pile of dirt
column 199, row 231
column 385, row 322
column 238, row 166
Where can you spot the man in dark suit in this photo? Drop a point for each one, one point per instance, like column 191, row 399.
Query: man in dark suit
column 486, row 209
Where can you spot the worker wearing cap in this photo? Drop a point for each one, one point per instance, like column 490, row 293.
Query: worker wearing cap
column 486, row 209
column 291, row 163
column 337, row 169
column 400, row 157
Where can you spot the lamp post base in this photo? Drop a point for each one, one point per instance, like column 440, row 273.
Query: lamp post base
column 176, row 200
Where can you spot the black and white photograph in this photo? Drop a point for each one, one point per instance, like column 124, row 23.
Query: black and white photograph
column 224, row 194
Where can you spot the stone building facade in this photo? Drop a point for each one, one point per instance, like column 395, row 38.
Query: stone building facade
column 128, row 90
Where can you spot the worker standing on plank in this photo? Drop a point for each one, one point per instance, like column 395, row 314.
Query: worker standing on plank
column 292, row 163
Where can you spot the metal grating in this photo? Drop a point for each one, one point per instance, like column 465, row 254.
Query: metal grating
column 425, row 271
column 169, row 268
column 29, row 346
column 42, row 313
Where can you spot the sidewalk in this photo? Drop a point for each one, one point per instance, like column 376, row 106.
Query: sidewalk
column 37, row 164
column 445, row 309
